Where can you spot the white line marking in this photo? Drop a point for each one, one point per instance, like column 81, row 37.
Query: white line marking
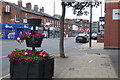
column 90, row 61
column 4, row 76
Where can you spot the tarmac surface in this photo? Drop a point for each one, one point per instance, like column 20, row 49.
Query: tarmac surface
column 87, row 62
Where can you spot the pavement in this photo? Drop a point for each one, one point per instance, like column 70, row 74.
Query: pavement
column 86, row 62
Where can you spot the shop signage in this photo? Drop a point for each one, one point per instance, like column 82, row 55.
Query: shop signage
column 26, row 26
column 116, row 14
column 12, row 19
column 6, row 26
column 24, row 20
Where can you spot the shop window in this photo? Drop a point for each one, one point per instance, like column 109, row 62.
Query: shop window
column 17, row 18
column 11, row 34
column 2, row 34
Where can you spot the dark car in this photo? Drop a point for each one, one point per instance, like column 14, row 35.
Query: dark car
column 94, row 36
column 82, row 39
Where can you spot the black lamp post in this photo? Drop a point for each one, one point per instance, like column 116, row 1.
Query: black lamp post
column 90, row 24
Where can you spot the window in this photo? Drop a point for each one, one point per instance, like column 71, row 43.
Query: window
column 0, row 19
column 44, row 20
column 7, row 8
column 17, row 18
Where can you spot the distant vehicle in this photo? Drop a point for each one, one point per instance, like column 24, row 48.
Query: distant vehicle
column 82, row 34
column 82, row 38
column 94, row 36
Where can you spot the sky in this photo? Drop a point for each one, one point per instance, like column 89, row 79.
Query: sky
column 49, row 8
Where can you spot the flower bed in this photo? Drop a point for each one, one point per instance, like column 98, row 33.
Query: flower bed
column 28, row 56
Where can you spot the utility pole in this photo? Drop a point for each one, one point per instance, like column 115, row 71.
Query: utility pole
column 54, row 19
column 90, row 23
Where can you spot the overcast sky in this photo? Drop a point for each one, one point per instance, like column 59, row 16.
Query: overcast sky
column 49, row 8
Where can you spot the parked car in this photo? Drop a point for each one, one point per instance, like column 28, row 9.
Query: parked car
column 82, row 38
column 94, row 36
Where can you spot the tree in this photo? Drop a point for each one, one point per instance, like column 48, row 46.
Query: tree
column 79, row 9
column 62, row 31
column 57, row 16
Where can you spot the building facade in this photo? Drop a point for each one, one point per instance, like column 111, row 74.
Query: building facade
column 12, row 13
column 112, row 24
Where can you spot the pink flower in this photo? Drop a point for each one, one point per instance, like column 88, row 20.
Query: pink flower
column 41, row 54
column 11, row 60
column 17, row 55
column 29, row 60
column 27, row 54
column 45, row 55
column 10, row 55
column 20, row 36
column 33, row 55
column 21, row 58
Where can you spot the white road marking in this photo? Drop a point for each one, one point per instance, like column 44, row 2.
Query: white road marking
column 4, row 76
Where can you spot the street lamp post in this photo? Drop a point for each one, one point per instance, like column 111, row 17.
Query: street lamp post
column 90, row 24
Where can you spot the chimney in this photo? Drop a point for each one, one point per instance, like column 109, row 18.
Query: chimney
column 28, row 5
column 36, row 7
column 20, row 3
column 42, row 10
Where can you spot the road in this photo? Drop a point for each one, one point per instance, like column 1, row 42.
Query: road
column 52, row 47
column 49, row 45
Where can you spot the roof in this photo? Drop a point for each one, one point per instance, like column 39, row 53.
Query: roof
column 30, row 11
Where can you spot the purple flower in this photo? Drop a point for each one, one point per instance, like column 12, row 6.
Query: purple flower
column 11, row 60
column 27, row 54
column 29, row 60
column 17, row 55
column 33, row 55
column 21, row 58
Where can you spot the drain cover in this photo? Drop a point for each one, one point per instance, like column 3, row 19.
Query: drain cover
column 104, row 57
column 94, row 53
column 105, row 64
column 71, row 69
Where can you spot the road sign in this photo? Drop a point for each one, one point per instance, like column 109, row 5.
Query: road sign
column 101, row 19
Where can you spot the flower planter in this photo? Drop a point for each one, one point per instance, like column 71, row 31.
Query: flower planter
column 34, row 22
column 28, row 71
column 29, row 43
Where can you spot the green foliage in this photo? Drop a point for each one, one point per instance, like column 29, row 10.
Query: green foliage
column 57, row 16
column 32, row 18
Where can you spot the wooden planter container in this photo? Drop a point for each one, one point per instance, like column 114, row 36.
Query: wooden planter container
column 34, row 22
column 28, row 71
column 29, row 43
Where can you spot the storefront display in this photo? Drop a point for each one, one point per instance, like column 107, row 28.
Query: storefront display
column 12, row 31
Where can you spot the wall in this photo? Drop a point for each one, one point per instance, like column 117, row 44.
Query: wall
column 112, row 27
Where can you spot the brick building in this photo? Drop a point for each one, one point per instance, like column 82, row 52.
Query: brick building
column 12, row 13
column 112, row 24
column 78, row 25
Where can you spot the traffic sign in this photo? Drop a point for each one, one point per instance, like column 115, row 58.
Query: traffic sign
column 101, row 19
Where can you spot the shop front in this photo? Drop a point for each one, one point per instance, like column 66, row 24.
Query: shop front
column 12, row 31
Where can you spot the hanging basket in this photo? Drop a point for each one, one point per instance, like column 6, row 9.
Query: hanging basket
column 30, row 43
column 34, row 22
